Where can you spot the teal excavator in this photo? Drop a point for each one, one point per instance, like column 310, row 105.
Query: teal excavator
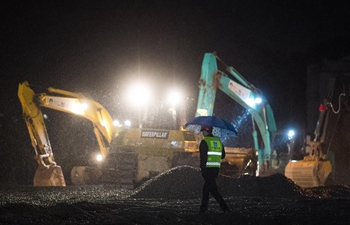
column 247, row 95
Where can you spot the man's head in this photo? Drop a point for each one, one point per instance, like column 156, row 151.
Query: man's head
column 206, row 130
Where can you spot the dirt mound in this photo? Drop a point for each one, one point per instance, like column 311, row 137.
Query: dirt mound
column 181, row 182
column 174, row 198
column 185, row 182
column 274, row 186
column 335, row 191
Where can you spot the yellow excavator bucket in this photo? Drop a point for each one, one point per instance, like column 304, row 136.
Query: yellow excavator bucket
column 308, row 173
column 49, row 176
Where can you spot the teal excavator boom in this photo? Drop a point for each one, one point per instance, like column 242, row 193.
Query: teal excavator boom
column 243, row 93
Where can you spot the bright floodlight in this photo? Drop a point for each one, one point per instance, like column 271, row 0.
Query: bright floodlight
column 127, row 123
column 258, row 100
column 174, row 98
column 99, row 157
column 116, row 123
column 79, row 108
column 84, row 106
column 291, row 134
column 250, row 102
column 139, row 94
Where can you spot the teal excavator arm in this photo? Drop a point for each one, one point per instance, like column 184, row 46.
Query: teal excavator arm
column 243, row 93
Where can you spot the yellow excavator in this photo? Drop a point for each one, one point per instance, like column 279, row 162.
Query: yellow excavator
column 48, row 172
column 314, row 169
column 130, row 154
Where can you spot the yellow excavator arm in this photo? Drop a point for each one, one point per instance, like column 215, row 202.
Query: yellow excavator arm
column 315, row 168
column 48, row 172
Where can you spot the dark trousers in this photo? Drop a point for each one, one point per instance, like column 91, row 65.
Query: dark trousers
column 209, row 175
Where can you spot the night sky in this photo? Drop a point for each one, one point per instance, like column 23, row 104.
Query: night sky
column 100, row 48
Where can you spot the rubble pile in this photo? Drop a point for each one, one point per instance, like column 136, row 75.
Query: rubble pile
column 334, row 191
column 274, row 186
column 173, row 197
column 182, row 182
column 185, row 182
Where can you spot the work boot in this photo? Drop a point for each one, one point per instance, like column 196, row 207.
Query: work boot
column 227, row 210
column 203, row 209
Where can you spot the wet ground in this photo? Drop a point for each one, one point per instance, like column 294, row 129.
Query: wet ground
column 173, row 198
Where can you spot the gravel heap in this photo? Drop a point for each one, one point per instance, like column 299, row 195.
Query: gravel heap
column 185, row 182
column 274, row 186
column 47, row 196
column 334, row 191
column 182, row 182
column 179, row 183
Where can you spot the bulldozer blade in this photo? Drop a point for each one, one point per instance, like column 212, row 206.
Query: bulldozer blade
column 51, row 176
column 308, row 173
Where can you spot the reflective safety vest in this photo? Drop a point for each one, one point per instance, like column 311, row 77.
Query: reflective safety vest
column 214, row 152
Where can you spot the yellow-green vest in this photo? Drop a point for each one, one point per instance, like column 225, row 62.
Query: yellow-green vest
column 214, row 152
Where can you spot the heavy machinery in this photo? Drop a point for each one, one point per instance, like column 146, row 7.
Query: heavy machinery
column 314, row 169
column 130, row 154
column 308, row 162
column 139, row 154
column 248, row 96
column 48, row 172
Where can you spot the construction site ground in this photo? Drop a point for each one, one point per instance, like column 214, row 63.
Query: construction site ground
column 174, row 198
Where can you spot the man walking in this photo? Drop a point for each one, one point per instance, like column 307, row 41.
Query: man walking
column 211, row 152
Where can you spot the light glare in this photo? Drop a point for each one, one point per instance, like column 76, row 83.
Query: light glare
column 291, row 134
column 251, row 102
column 139, row 94
column 79, row 108
column 127, row 123
column 99, row 157
column 258, row 100
column 174, row 98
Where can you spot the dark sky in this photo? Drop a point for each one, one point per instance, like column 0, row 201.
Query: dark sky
column 102, row 47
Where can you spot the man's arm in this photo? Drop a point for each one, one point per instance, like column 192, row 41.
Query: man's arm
column 223, row 154
column 203, row 152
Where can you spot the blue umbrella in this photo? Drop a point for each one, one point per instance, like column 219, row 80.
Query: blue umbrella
column 221, row 128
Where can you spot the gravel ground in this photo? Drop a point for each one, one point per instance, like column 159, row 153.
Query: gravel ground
column 173, row 198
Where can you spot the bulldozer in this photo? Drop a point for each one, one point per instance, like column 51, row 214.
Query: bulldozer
column 129, row 155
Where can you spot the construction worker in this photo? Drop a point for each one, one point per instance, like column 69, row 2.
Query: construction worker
column 211, row 152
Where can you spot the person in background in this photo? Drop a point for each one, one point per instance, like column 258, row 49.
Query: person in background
column 211, row 152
